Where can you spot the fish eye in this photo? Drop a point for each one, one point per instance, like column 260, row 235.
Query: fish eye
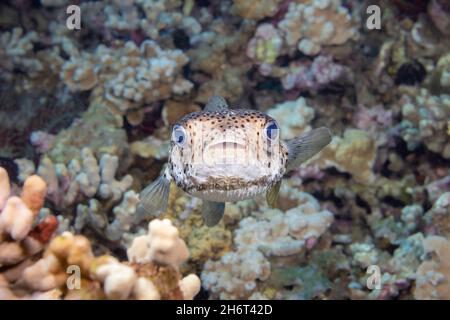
column 271, row 130
column 179, row 135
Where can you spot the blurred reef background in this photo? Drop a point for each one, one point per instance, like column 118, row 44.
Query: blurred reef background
column 85, row 119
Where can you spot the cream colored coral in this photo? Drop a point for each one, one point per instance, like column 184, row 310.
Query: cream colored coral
column 162, row 245
column 354, row 153
column 118, row 280
column 101, row 277
column 33, row 193
column 16, row 218
column 109, row 186
column 135, row 76
column 75, row 249
column 293, row 117
column 433, row 276
column 190, row 286
column 256, row 9
column 240, row 274
column 5, row 188
column 312, row 24
column 45, row 274
column 144, row 289
column 79, row 74
column 11, row 253
column 89, row 177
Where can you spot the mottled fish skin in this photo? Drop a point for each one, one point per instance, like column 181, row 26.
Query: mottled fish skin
column 227, row 155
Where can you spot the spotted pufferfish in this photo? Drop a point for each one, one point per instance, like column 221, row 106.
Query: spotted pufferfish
column 226, row 155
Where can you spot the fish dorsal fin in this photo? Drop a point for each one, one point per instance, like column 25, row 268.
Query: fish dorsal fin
column 212, row 212
column 272, row 195
column 216, row 104
column 307, row 145
column 154, row 199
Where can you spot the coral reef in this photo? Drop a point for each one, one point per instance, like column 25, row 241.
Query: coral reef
column 309, row 26
column 294, row 117
column 433, row 275
column 85, row 125
column 152, row 271
column 425, row 120
column 354, row 152
column 240, row 274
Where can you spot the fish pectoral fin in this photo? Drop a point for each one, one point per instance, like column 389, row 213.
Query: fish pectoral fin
column 154, row 199
column 212, row 212
column 307, row 145
column 215, row 104
column 272, row 195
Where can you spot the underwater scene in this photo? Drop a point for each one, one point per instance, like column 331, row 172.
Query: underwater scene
column 232, row 149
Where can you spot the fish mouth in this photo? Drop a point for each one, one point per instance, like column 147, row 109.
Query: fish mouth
column 226, row 145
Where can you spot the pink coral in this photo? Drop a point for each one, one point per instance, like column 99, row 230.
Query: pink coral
column 372, row 119
column 312, row 76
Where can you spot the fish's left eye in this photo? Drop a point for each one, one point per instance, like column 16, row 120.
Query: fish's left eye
column 179, row 135
column 272, row 131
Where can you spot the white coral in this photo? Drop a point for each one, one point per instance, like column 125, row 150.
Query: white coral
column 162, row 245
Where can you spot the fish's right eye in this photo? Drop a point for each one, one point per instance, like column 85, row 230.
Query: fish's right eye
column 179, row 135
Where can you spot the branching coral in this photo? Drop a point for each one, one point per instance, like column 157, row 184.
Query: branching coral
column 37, row 67
column 17, row 52
column 293, row 117
column 309, row 26
column 209, row 55
column 239, row 274
column 312, row 76
column 354, row 153
column 70, row 270
column 426, row 120
column 142, row 75
column 97, row 129
column 21, row 235
column 86, row 178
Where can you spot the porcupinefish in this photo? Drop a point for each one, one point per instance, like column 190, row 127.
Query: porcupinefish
column 226, row 155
